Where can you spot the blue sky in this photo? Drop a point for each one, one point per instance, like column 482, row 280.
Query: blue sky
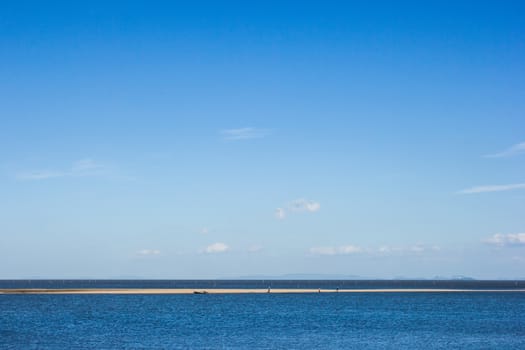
column 175, row 140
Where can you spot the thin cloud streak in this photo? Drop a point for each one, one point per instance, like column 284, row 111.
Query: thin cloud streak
column 298, row 206
column 305, row 205
column 514, row 150
column 247, row 133
column 509, row 239
column 80, row 168
column 40, row 175
column 493, row 188
column 148, row 252
column 216, row 248
column 341, row 250
column 280, row 213
column 416, row 249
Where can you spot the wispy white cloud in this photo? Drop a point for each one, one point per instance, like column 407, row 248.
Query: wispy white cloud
column 83, row 167
column 384, row 249
column 148, row 252
column 381, row 250
column 493, row 188
column 298, row 205
column 280, row 213
column 40, row 175
column 509, row 239
column 216, row 248
column 349, row 249
column 305, row 205
column 412, row 249
column 514, row 150
column 244, row 133
column 341, row 250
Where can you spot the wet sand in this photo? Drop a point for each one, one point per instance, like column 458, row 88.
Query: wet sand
column 240, row 291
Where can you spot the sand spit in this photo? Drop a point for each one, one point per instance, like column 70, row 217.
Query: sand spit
column 240, row 291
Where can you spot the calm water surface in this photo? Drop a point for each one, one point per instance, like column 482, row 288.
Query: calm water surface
column 261, row 321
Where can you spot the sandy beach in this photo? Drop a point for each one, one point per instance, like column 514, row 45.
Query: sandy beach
column 241, row 291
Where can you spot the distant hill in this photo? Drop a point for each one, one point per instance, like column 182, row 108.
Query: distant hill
column 302, row 276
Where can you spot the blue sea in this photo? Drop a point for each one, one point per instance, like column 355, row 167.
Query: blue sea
column 465, row 320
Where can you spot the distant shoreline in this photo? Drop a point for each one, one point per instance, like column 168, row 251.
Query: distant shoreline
column 21, row 291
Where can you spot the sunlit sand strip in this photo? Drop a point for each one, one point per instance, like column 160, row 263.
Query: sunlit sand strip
column 240, row 291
